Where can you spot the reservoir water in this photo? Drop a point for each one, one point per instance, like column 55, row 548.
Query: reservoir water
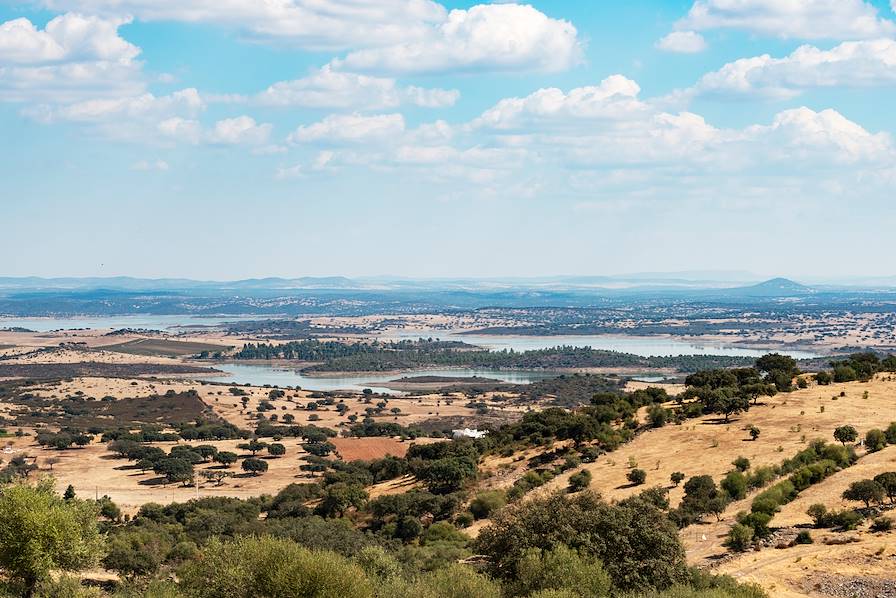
column 645, row 346
column 259, row 375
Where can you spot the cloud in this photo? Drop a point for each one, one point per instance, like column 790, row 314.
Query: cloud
column 616, row 97
column 326, row 88
column 350, row 128
column 486, row 37
column 179, row 129
column 315, row 24
column 148, row 118
column 144, row 118
column 74, row 57
column 851, row 64
column 602, row 143
column 68, row 37
column 239, row 130
column 382, row 35
column 796, row 19
column 802, row 134
column 142, row 107
column 323, row 158
column 682, row 42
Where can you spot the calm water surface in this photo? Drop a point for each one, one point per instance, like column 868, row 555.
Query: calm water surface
column 259, row 375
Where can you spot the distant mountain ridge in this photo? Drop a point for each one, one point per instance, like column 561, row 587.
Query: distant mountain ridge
column 634, row 283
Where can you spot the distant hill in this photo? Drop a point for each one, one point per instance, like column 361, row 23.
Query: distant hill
column 776, row 287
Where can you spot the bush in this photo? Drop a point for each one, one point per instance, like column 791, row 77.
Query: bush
column 561, row 568
column 804, row 537
column 677, row 478
column 735, row 484
column 657, row 416
column 890, row 433
column 740, row 537
column 741, row 463
column 464, row 519
column 761, row 476
column 487, row 503
column 247, row 567
column 758, row 522
column 579, row 481
column 846, row 520
column 637, row 476
column 875, row 440
column 453, row 581
column 882, row 524
column 819, row 514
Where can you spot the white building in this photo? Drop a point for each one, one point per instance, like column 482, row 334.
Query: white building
column 468, row 433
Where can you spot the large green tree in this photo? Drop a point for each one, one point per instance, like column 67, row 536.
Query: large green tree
column 636, row 542
column 41, row 532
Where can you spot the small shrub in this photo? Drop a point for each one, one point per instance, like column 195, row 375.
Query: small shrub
column 882, row 524
column 740, row 538
column 875, row 440
column 487, row 503
column 637, row 476
column 580, row 481
column 741, row 463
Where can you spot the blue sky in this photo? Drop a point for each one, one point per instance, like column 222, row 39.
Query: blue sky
column 234, row 139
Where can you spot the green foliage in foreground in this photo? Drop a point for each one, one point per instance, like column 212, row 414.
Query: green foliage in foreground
column 249, row 567
column 634, row 540
column 41, row 532
column 554, row 547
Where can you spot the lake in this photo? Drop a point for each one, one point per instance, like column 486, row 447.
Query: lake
column 259, row 375
column 644, row 346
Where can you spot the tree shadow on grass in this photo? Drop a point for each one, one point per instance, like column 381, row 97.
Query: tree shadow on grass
column 159, row 481
column 627, row 486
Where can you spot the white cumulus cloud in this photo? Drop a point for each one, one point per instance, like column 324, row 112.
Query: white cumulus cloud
column 67, row 37
column 326, row 88
column 797, row 19
column 486, row 37
column 865, row 63
column 74, row 57
column 350, row 128
column 319, row 24
column 682, row 42
column 616, row 97
column 239, row 130
column 402, row 35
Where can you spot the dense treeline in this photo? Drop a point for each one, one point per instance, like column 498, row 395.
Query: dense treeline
column 315, row 350
column 373, row 357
